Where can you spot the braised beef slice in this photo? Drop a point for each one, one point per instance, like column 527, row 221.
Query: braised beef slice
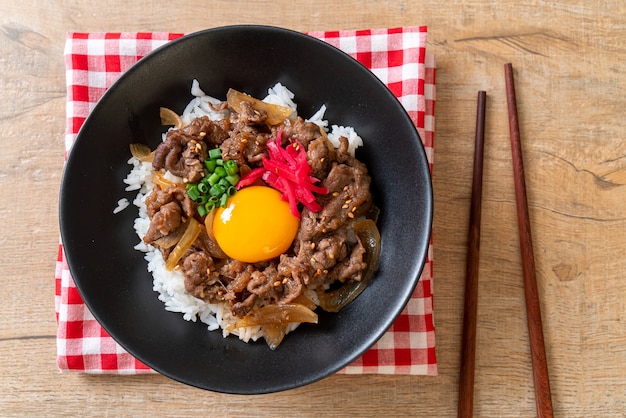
column 184, row 150
column 348, row 197
column 166, row 209
column 319, row 154
column 301, row 131
column 245, row 144
column 352, row 267
column 250, row 116
column 201, row 280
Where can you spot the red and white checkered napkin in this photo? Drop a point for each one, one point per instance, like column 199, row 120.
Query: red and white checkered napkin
column 398, row 56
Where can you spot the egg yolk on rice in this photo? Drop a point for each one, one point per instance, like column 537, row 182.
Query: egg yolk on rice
column 256, row 225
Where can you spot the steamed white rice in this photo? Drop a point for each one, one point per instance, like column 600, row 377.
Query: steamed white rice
column 169, row 284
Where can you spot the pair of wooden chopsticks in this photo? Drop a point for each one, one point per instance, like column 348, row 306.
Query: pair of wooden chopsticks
column 541, row 379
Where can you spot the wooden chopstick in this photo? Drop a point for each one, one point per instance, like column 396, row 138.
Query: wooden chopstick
column 468, row 342
column 543, row 398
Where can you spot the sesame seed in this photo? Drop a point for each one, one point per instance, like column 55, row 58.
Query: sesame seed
column 348, row 201
column 350, row 215
column 331, row 256
column 335, row 194
column 285, row 280
column 202, row 134
column 312, row 260
column 324, row 230
column 312, row 245
column 354, row 209
column 325, row 271
column 322, row 159
column 277, row 283
column 345, row 188
column 344, row 207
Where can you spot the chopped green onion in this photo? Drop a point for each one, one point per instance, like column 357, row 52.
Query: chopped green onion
column 203, row 187
column 210, row 165
column 224, row 183
column 193, row 192
column 214, row 179
column 215, row 153
column 217, row 185
column 216, row 190
column 231, row 167
column 232, row 179
column 220, row 171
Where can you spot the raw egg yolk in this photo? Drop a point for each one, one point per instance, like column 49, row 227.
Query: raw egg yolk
column 256, row 225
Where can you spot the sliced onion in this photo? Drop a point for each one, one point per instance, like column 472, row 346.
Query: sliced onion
column 303, row 300
column 188, row 238
column 275, row 114
column 141, row 152
column 274, row 334
column 369, row 235
column 159, row 179
column 208, row 225
column 170, row 118
column 278, row 315
column 171, row 239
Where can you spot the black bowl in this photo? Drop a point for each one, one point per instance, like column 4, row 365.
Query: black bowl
column 111, row 276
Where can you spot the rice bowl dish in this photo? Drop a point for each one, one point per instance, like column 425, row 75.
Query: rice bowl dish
column 172, row 285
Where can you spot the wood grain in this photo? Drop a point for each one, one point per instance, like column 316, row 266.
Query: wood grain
column 569, row 59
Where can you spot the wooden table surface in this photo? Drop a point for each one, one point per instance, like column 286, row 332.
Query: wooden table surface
column 569, row 60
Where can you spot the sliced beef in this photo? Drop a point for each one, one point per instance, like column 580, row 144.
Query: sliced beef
column 301, row 131
column 350, row 267
column 166, row 210
column 320, row 154
column 244, row 307
column 348, row 198
column 246, row 145
column 250, row 116
column 315, row 260
column 184, row 150
column 201, row 279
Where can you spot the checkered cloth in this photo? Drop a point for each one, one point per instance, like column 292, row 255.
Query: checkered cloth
column 397, row 56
